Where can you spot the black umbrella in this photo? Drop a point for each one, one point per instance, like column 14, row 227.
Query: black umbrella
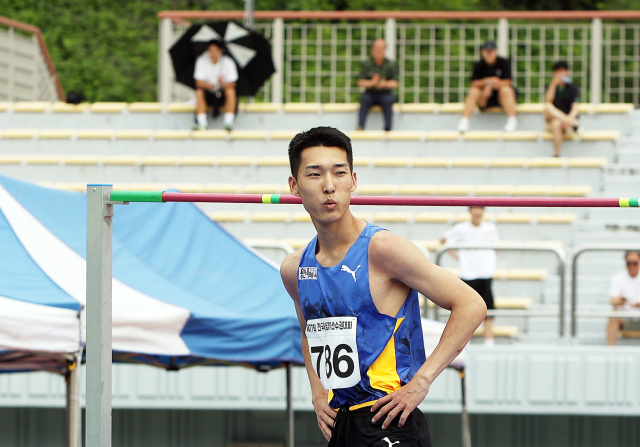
column 250, row 51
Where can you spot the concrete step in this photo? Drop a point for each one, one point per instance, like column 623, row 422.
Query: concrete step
column 274, row 144
column 109, row 169
column 122, row 116
column 622, row 185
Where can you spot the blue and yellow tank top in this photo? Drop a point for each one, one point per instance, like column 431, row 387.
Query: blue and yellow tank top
column 345, row 329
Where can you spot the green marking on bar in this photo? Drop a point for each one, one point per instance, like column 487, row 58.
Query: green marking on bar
column 275, row 198
column 634, row 202
column 136, row 196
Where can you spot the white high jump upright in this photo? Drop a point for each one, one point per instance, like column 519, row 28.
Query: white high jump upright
column 99, row 267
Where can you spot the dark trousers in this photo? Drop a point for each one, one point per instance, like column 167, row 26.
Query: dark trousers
column 382, row 99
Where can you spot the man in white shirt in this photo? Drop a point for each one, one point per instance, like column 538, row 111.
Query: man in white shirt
column 625, row 295
column 476, row 266
column 215, row 74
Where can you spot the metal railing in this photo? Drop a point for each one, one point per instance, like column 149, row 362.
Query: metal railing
column 319, row 61
column 26, row 69
column 574, row 284
column 557, row 251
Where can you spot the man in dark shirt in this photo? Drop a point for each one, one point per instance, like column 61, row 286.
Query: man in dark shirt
column 490, row 87
column 378, row 76
column 561, row 105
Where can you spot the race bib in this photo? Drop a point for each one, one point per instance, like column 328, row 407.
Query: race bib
column 334, row 352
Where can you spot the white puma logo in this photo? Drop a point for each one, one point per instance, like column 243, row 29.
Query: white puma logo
column 353, row 272
column 390, row 443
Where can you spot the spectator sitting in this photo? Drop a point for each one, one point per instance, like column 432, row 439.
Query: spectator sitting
column 490, row 87
column 561, row 105
column 378, row 76
column 625, row 295
column 215, row 74
column 477, row 266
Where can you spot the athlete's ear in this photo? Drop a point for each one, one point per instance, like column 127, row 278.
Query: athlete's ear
column 354, row 182
column 293, row 186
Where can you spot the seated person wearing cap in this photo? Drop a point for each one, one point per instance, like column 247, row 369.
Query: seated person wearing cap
column 490, row 87
column 562, row 103
column 215, row 74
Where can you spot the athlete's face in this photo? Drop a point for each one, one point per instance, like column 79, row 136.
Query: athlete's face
column 476, row 214
column 489, row 56
column 324, row 183
column 215, row 52
column 633, row 262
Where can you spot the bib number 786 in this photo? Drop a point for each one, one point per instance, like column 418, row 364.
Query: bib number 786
column 334, row 351
column 340, row 365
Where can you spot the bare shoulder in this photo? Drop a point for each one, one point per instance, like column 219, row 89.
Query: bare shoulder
column 289, row 270
column 387, row 248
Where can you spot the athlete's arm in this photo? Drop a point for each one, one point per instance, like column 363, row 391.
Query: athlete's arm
column 400, row 261
column 324, row 413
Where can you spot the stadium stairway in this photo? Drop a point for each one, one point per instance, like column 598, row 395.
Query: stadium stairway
column 150, row 146
column 292, row 116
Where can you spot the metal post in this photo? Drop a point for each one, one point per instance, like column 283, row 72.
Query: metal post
column 277, row 51
column 165, row 70
column 248, row 14
column 290, row 421
column 74, row 409
column 390, row 38
column 503, row 37
column 9, row 59
column 574, row 274
column 596, row 61
column 466, row 428
column 562, row 260
column 99, row 264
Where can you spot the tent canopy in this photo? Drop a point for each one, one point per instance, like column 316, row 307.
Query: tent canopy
column 185, row 291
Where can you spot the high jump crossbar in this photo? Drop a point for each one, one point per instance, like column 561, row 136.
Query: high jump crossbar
column 100, row 203
column 572, row 202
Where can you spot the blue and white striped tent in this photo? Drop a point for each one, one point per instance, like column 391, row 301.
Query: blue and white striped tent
column 185, row 291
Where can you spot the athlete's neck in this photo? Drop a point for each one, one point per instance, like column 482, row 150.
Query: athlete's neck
column 335, row 238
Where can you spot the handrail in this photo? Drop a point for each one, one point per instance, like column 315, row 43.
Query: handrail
column 269, row 243
column 43, row 48
column 403, row 15
column 574, row 273
column 560, row 254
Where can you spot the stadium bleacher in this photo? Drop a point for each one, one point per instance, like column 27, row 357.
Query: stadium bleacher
column 149, row 146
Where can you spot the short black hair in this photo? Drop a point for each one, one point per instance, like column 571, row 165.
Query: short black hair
column 217, row 43
column 561, row 65
column 318, row 136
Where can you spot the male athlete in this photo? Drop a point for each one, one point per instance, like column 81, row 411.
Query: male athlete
column 355, row 291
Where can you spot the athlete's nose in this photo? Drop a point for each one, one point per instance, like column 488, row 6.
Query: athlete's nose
column 328, row 186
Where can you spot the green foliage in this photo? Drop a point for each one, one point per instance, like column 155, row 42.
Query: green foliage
column 106, row 49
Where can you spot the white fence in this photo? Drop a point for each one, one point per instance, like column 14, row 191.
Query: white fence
column 26, row 71
column 320, row 61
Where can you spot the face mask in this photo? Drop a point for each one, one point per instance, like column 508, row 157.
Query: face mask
column 567, row 79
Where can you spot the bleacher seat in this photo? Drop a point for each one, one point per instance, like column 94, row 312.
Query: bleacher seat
column 149, row 146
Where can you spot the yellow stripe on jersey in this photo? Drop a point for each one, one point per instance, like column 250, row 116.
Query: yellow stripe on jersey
column 382, row 373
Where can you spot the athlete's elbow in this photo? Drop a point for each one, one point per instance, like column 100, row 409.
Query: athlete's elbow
column 479, row 308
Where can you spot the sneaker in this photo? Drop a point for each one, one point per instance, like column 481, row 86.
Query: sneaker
column 511, row 125
column 489, row 342
column 198, row 126
column 463, row 125
column 578, row 129
column 228, row 127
